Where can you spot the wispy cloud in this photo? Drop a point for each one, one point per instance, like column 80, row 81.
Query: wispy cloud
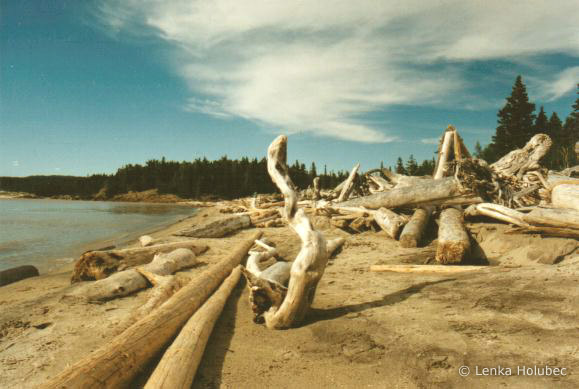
column 429, row 141
column 15, row 163
column 319, row 66
column 565, row 82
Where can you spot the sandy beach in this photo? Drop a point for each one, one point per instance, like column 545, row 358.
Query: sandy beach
column 366, row 329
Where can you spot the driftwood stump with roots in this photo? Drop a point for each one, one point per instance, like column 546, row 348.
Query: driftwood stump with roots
column 285, row 308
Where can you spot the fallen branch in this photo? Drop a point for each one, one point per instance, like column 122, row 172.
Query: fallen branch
column 348, row 184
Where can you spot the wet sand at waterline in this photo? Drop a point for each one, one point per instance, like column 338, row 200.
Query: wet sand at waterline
column 365, row 329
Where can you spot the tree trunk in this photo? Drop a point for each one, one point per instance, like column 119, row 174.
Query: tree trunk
column 426, row 192
column 553, row 217
column 14, row 274
column 177, row 368
column 316, row 190
column 348, row 184
column 518, row 162
column 453, row 240
column 413, row 231
column 96, row 265
column 117, row 363
column 389, row 221
column 566, row 196
column 444, row 152
column 495, row 211
column 218, row 228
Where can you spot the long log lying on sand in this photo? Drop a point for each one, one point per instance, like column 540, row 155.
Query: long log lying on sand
column 129, row 281
column 547, row 231
column 426, row 192
column 96, row 265
column 553, row 217
column 14, row 274
column 177, row 368
column 118, row 362
column 389, row 221
column 453, row 240
column 349, row 184
column 414, row 229
column 218, row 228
column 566, row 196
column 425, row 268
column 496, row 211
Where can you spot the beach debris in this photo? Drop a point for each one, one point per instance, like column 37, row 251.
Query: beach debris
column 453, row 240
column 425, row 268
column 414, row 230
column 118, row 362
column 179, row 363
column 566, row 196
column 18, row 273
column 146, row 240
column 96, row 265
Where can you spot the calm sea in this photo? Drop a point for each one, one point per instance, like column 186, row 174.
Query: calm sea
column 49, row 233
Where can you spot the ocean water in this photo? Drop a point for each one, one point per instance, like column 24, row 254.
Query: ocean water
column 49, row 233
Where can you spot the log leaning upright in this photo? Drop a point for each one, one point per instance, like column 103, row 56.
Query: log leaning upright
column 118, row 362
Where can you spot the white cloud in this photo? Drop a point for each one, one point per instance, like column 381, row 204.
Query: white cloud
column 319, row 66
column 565, row 82
column 16, row 163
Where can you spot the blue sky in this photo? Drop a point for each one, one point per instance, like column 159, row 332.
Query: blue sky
column 88, row 86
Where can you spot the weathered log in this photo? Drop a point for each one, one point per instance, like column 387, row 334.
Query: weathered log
column 380, row 183
column 117, row 363
column 425, row 268
column 547, row 231
column 348, row 184
column 426, row 192
column 566, row 196
column 130, row 281
column 96, row 265
column 453, row 240
column 498, row 212
column 179, row 363
column 18, row 273
column 316, row 189
column 518, row 162
column 444, row 150
column 218, row 228
column 145, row 240
column 389, row 221
column 553, row 217
column 414, row 229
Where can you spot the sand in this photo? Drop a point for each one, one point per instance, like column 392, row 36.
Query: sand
column 365, row 329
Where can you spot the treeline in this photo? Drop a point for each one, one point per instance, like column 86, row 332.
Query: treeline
column 223, row 178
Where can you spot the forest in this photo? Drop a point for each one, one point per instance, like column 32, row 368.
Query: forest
column 227, row 179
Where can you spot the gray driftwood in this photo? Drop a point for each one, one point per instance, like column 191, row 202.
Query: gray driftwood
column 218, row 228
column 414, row 229
column 389, row 221
column 566, row 196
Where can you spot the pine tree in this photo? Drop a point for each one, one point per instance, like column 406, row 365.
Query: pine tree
column 515, row 120
column 400, row 166
column 411, row 166
column 541, row 123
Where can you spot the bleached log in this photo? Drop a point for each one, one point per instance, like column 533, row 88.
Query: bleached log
column 333, row 245
column 553, row 217
column 425, row 268
column 380, row 183
column 130, row 281
column 426, row 192
column 96, row 265
column 414, row 229
column 218, row 228
column 453, row 239
column 444, row 152
column 18, row 273
column 566, row 196
column 389, row 221
column 561, row 232
column 179, row 363
column 498, row 212
column 518, row 162
column 118, row 362
column 316, row 189
column 145, row 240
column 348, row 184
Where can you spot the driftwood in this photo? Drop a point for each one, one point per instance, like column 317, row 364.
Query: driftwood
column 566, row 196
column 14, row 274
column 119, row 361
column 444, row 150
column 547, row 231
column 145, row 240
column 218, row 228
column 96, row 265
column 414, row 229
column 453, row 240
column 389, row 221
column 316, row 189
column 425, row 192
column 553, row 217
column 495, row 211
column 177, row 368
column 130, row 281
column 518, row 162
column 425, row 268
column 348, row 184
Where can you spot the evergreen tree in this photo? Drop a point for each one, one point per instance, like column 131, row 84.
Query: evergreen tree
column 542, row 123
column 515, row 120
column 411, row 166
column 400, row 166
